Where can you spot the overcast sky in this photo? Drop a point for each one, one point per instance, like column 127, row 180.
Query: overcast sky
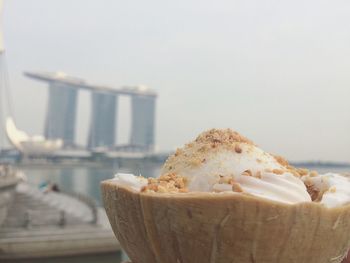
column 276, row 71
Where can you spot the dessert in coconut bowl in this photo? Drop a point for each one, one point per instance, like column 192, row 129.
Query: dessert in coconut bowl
column 222, row 199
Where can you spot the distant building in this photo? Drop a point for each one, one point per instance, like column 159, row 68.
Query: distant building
column 103, row 120
column 143, row 121
column 61, row 113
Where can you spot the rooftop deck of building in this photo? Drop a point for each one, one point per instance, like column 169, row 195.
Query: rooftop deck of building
column 60, row 77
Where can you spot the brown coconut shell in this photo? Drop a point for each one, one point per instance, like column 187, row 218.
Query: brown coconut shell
column 224, row 228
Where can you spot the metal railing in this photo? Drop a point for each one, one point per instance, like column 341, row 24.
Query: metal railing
column 91, row 203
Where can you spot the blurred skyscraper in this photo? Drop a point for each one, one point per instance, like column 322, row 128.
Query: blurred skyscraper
column 143, row 121
column 61, row 113
column 103, row 120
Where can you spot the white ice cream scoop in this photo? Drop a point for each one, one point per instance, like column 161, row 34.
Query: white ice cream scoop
column 224, row 154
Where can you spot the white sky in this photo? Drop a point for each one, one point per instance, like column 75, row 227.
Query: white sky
column 277, row 71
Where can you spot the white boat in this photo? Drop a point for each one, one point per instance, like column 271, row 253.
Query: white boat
column 30, row 145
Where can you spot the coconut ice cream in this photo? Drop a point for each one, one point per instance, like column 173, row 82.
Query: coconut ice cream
column 223, row 161
column 222, row 199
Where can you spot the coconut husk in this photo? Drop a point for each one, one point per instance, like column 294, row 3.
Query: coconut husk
column 224, row 228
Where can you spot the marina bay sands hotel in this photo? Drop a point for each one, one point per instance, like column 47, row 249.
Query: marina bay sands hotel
column 61, row 113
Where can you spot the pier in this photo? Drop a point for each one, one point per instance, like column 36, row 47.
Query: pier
column 45, row 225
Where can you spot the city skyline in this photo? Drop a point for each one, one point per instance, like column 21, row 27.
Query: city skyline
column 61, row 113
column 276, row 72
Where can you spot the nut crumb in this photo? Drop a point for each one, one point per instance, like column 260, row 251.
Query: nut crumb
column 313, row 173
column 281, row 160
column 167, row 183
column 333, row 189
column 258, row 175
column 277, row 171
column 236, row 187
column 303, row 171
column 226, row 180
column 238, row 149
column 247, row 173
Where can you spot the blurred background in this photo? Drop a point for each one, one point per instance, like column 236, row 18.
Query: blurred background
column 91, row 88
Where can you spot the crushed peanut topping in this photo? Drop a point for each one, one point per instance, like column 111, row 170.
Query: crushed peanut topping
column 238, row 149
column 167, row 183
column 194, row 154
column 277, row 171
column 226, row 137
column 258, row 175
column 236, row 187
column 204, row 147
column 313, row 173
column 281, row 160
column 298, row 172
column 247, row 173
column 315, row 193
column 226, row 180
column 333, row 189
column 303, row 171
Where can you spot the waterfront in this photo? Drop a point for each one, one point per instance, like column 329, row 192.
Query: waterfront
column 85, row 178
